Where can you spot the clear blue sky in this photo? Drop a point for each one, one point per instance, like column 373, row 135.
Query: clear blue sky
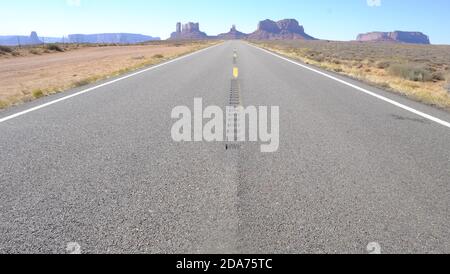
column 326, row 19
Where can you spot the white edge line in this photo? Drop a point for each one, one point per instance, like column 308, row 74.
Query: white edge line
column 7, row 118
column 397, row 104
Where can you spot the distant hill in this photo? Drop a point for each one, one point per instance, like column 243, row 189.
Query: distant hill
column 111, row 38
column 396, row 37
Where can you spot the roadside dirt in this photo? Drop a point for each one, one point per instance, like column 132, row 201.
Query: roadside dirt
column 24, row 78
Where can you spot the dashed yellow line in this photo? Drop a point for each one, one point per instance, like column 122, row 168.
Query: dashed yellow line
column 235, row 72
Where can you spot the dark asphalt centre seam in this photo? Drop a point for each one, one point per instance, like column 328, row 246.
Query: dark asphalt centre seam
column 234, row 102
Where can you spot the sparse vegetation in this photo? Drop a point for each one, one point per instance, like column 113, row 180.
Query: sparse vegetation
column 53, row 47
column 417, row 71
column 158, row 56
column 410, row 72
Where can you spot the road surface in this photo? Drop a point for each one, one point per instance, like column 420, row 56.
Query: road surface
column 100, row 170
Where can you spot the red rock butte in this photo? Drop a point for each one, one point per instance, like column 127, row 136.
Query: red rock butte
column 396, row 37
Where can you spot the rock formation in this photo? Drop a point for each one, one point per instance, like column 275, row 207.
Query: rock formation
column 396, row 37
column 34, row 39
column 189, row 31
column 233, row 34
column 287, row 29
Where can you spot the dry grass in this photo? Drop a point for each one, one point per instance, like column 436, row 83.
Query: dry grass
column 43, row 70
column 420, row 72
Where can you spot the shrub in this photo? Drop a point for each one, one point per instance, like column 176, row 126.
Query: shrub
column 158, row 56
column 411, row 73
column 38, row 93
column 438, row 76
column 5, row 49
column 317, row 58
column 312, row 53
column 35, row 52
column 336, row 62
column 53, row 47
column 385, row 85
column 3, row 104
column 383, row 64
column 81, row 83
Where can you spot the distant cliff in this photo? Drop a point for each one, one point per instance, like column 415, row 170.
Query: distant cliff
column 396, row 36
column 189, row 31
column 15, row 40
column 110, row 38
column 287, row 29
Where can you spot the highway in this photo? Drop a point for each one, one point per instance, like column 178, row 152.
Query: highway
column 100, row 169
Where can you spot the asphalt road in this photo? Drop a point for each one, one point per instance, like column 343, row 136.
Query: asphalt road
column 101, row 170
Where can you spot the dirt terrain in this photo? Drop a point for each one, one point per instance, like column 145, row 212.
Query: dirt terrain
column 29, row 73
column 420, row 72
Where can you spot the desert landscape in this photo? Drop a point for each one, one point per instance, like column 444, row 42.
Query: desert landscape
column 197, row 133
column 398, row 61
column 30, row 72
column 420, row 72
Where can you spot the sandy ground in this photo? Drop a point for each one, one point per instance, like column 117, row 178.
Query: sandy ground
column 26, row 77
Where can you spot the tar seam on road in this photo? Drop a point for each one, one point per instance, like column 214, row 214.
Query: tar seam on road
column 387, row 100
column 7, row 118
column 234, row 102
